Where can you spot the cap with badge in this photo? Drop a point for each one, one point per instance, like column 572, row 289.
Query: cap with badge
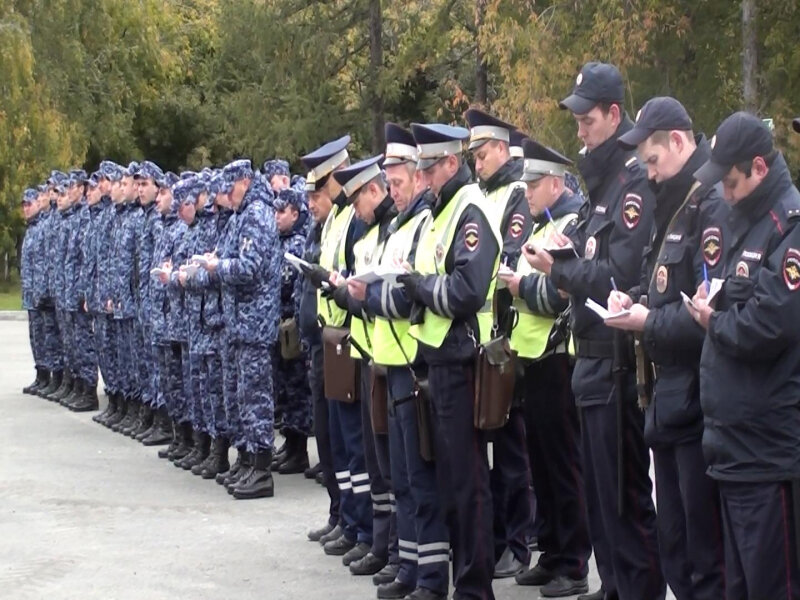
column 483, row 128
column 662, row 113
column 29, row 196
column 274, row 167
column 354, row 177
column 540, row 161
column 739, row 138
column 323, row 161
column 400, row 145
column 597, row 82
column 516, row 140
column 238, row 169
column 436, row 141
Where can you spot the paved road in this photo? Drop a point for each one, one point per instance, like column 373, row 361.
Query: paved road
column 88, row 514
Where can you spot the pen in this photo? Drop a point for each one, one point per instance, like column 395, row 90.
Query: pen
column 614, row 284
column 553, row 223
column 705, row 277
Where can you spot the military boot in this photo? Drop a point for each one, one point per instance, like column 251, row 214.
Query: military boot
column 297, row 459
column 119, row 414
column 46, row 379
column 161, row 431
column 245, row 465
column 202, row 445
column 64, row 389
column 41, row 377
column 173, row 445
column 185, row 443
column 144, row 422
column 130, row 415
column 52, row 385
column 138, row 419
column 111, row 408
column 281, row 453
column 74, row 395
column 222, row 478
column 88, row 401
column 258, row 482
column 217, row 461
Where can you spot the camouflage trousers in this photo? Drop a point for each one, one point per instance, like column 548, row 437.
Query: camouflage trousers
column 105, row 351
column 230, row 378
column 292, row 393
column 206, row 403
column 254, row 395
column 36, row 337
column 172, row 377
column 84, row 363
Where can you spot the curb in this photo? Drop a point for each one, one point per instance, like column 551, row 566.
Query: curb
column 13, row 315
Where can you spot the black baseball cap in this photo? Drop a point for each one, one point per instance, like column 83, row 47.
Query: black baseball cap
column 662, row 113
column 796, row 124
column 739, row 138
column 597, row 82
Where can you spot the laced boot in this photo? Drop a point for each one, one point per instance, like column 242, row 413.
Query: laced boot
column 258, row 482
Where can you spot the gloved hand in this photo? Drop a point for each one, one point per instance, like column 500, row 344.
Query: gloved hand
column 316, row 275
column 411, row 281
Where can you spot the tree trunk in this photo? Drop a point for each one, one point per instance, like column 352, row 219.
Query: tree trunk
column 750, row 55
column 375, row 69
column 481, row 72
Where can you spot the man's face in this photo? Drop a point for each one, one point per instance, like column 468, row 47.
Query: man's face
column 62, row 201
column 401, row 184
column 75, row 192
column 320, row 204
column 439, row 173
column 489, row 158
column 366, row 201
column 164, row 199
column 105, row 187
column 147, row 191
column 736, row 186
column 237, row 194
column 44, row 201
column 129, row 190
column 663, row 162
column 223, row 200
column 117, row 192
column 27, row 210
column 280, row 182
column 93, row 195
column 594, row 127
column 286, row 217
column 540, row 194
column 187, row 212
column 202, row 200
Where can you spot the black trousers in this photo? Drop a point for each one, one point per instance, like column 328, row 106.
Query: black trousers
column 321, row 432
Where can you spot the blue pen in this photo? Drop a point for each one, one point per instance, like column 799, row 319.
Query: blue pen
column 553, row 223
column 614, row 284
column 705, row 278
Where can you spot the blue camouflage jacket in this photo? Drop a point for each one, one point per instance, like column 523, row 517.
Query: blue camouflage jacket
column 149, row 230
column 28, row 264
column 98, row 229
column 123, row 263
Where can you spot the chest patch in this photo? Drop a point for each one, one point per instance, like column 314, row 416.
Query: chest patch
column 662, row 279
column 791, row 269
column 712, row 246
column 632, row 210
column 591, row 248
column 742, row 269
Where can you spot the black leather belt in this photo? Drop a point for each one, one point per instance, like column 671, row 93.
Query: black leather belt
column 594, row 349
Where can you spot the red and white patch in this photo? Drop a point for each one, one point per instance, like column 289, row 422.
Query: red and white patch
column 791, row 269
column 471, row 236
column 439, row 252
column 591, row 248
column 662, row 279
column 632, row 210
column 517, row 225
column 742, row 269
column 712, row 246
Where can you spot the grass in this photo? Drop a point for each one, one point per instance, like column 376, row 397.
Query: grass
column 10, row 296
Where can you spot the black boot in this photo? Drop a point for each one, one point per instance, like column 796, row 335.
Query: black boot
column 76, row 393
column 88, row 401
column 258, row 481
column 281, row 453
column 119, row 414
column 111, row 408
column 224, row 477
column 142, row 414
column 202, row 445
column 130, row 415
column 64, row 389
column 311, row 472
column 173, row 445
column 185, row 442
column 297, row 459
column 245, row 465
column 145, row 421
column 217, row 460
column 41, row 377
column 52, row 385
column 161, row 431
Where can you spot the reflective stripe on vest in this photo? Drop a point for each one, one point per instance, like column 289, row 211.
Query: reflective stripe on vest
column 332, row 258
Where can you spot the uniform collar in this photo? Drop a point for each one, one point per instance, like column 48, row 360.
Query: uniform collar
column 605, row 161
column 507, row 174
column 462, row 177
column 764, row 197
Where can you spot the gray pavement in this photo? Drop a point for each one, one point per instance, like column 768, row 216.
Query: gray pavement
column 88, row 514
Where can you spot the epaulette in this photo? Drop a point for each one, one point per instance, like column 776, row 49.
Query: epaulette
column 631, row 163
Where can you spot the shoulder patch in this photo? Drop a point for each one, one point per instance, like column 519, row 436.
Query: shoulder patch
column 712, row 245
column 517, row 225
column 791, row 269
column 471, row 236
column 631, row 162
column 631, row 210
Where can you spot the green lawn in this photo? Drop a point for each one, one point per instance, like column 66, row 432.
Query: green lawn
column 10, row 298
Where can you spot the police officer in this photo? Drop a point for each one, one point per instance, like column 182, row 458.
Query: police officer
column 499, row 178
column 420, row 520
column 452, row 287
column 551, row 419
column 61, row 224
column 684, row 250
column 751, row 361
column 613, row 230
column 27, row 266
column 251, row 269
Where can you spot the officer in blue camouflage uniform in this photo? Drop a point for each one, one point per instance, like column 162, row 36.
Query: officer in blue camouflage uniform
column 252, row 269
column 27, row 267
column 289, row 366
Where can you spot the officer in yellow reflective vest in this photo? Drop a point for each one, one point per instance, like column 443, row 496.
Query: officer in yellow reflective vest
column 365, row 188
column 551, row 418
column 338, row 237
column 452, row 288
column 499, row 176
column 424, row 547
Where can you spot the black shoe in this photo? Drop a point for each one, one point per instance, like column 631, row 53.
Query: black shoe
column 297, row 459
column 225, row 476
column 245, row 461
column 120, row 414
column 76, row 394
column 64, row 389
column 41, row 377
column 425, row 594
column 280, row 454
column 147, row 417
column 161, row 431
column 394, row 590
column 88, row 401
column 173, row 445
column 356, row 553
column 386, row 575
column 598, row 595
column 130, row 416
column 333, row 534
column 52, row 385
column 508, row 565
column 311, row 472
column 46, row 377
column 339, row 547
column 315, row 534
column 369, row 565
column 110, row 408
column 320, row 478
column 564, row 586
column 185, row 443
column 538, row 575
column 202, row 444
column 258, row 482
column 217, row 461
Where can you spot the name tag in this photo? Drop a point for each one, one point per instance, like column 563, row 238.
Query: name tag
column 674, row 237
column 751, row 255
column 600, row 210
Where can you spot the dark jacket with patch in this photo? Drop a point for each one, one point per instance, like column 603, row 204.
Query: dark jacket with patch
column 750, row 366
column 612, row 231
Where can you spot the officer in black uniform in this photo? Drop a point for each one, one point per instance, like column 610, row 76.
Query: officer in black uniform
column 613, row 230
column 750, row 365
column 684, row 251
column 455, row 299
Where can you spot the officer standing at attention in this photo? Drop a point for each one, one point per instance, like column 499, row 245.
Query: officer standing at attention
column 613, row 230
column 452, row 287
column 27, row 268
column 551, row 418
column 685, row 248
column 750, row 365
column 499, row 177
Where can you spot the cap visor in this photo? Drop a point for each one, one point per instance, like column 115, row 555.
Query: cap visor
column 426, row 163
column 796, row 125
column 711, row 173
column 531, row 176
column 395, row 161
column 634, row 137
column 474, row 145
column 577, row 104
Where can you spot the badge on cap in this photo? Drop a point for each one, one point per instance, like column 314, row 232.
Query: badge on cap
column 631, row 210
column 712, row 245
column 590, row 248
column 662, row 278
column 517, row 223
column 791, row 269
column 579, row 79
column 471, row 238
column 742, row 270
column 713, row 141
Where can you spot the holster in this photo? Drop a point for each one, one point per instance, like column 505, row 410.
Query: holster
column 341, row 371
column 289, row 339
column 495, row 376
